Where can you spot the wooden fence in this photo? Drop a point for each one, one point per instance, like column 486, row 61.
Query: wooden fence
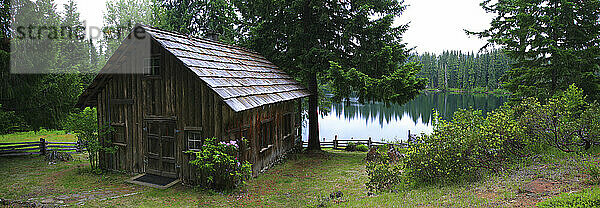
column 38, row 147
column 343, row 143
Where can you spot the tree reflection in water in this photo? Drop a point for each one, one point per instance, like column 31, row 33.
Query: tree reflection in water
column 392, row 122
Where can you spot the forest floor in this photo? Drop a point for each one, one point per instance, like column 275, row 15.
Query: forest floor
column 303, row 180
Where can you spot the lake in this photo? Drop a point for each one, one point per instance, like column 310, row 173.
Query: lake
column 392, row 122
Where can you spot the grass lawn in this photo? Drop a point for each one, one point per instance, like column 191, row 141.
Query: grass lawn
column 32, row 136
column 303, row 180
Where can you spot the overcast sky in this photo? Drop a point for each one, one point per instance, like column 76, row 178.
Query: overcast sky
column 435, row 25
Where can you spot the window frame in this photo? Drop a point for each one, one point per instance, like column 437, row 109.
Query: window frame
column 118, row 132
column 197, row 140
column 287, row 124
column 152, row 66
column 267, row 132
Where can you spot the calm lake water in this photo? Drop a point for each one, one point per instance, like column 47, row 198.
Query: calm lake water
column 392, row 122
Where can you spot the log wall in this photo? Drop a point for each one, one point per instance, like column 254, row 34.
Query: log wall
column 176, row 93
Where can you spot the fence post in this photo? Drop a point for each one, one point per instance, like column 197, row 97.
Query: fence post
column 335, row 142
column 43, row 146
column 78, row 146
column 369, row 142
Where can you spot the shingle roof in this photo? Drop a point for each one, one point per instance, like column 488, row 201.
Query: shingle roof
column 242, row 78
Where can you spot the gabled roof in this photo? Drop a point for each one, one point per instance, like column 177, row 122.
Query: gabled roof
column 242, row 78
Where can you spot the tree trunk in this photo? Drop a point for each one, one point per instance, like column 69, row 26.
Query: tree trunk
column 313, row 114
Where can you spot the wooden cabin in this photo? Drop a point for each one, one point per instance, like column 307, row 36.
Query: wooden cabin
column 164, row 92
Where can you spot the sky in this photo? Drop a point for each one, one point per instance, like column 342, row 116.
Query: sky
column 434, row 25
column 438, row 25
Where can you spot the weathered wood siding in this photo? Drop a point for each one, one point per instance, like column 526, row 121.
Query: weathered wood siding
column 127, row 100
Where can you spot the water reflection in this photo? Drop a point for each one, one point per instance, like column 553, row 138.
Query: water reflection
column 392, row 122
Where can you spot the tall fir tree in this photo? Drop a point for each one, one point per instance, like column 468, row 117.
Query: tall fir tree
column 200, row 18
column 554, row 44
column 350, row 45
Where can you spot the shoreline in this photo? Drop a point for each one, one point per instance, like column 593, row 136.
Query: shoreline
column 467, row 91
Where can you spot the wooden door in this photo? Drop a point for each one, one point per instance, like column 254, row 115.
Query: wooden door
column 160, row 148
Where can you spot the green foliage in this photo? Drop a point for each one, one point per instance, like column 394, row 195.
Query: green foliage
column 567, row 122
column 385, row 175
column 589, row 198
column 466, row 146
column 95, row 139
column 592, row 168
column 219, row 166
column 351, row 146
column 553, row 43
column 43, row 100
column 350, row 45
column 9, row 122
column 119, row 19
column 199, row 18
column 471, row 143
column 471, row 72
column 362, row 148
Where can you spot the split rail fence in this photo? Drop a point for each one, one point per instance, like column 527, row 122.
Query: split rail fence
column 38, row 147
column 343, row 143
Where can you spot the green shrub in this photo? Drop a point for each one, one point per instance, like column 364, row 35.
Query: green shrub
column 566, row 122
column 589, row 198
column 362, row 148
column 386, row 177
column 351, row 146
column 592, row 168
column 471, row 144
column 10, row 122
column 384, row 174
column 85, row 126
column 219, row 166
column 467, row 145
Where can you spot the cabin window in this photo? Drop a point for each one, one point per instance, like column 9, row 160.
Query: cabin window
column 118, row 134
column 267, row 132
column 194, row 140
column 287, row 124
column 152, row 65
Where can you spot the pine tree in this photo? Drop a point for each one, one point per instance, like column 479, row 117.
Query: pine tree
column 554, row 43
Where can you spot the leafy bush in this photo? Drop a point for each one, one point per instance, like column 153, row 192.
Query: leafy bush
column 386, row 177
column 10, row 122
column 592, row 168
column 470, row 143
column 85, row 126
column 589, row 198
column 351, row 146
column 566, row 122
column 385, row 174
column 362, row 148
column 465, row 146
column 219, row 166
